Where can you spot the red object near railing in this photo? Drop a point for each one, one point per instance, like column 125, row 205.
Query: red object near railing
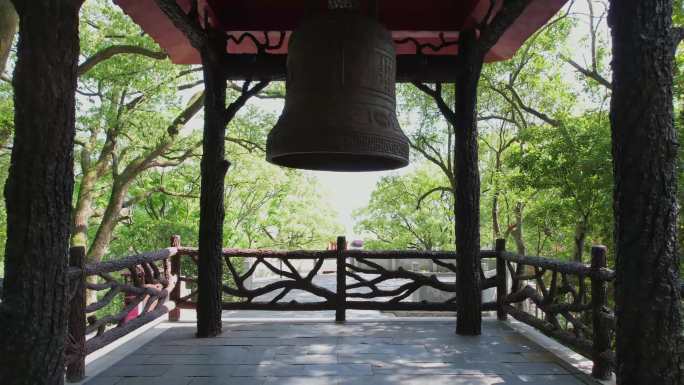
column 135, row 312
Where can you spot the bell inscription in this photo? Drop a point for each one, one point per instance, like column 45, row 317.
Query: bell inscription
column 340, row 107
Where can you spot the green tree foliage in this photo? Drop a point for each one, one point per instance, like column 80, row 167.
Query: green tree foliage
column 571, row 167
column 138, row 149
column 545, row 157
column 400, row 216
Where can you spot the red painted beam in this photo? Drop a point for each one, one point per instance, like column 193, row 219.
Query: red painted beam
column 423, row 20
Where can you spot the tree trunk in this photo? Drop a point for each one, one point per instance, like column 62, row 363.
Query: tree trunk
column 645, row 153
column 517, row 232
column 580, row 238
column 213, row 167
column 8, row 28
column 84, row 205
column 467, row 205
column 92, row 172
column 496, row 227
column 38, row 194
column 110, row 219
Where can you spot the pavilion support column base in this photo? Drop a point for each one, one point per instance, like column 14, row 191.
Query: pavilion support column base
column 467, row 202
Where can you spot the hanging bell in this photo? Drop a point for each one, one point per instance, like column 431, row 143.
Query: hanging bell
column 340, row 107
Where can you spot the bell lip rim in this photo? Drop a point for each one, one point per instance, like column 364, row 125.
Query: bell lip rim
column 323, row 152
column 401, row 162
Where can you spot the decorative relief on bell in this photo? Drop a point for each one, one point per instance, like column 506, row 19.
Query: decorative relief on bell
column 340, row 106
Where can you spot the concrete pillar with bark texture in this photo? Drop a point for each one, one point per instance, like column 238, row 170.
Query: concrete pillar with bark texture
column 645, row 151
column 39, row 193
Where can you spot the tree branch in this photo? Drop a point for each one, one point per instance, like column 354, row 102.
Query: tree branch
column 261, row 95
column 507, row 15
column 495, row 117
column 436, row 94
column 196, row 104
column 446, row 169
column 186, row 23
column 677, row 35
column 592, row 74
column 432, row 191
column 114, row 50
column 546, row 118
column 246, row 144
column 246, row 94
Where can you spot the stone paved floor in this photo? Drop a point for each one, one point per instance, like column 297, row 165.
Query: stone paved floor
column 364, row 353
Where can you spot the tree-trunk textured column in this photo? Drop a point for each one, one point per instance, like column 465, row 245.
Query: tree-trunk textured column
column 473, row 44
column 33, row 314
column 645, row 152
column 213, row 167
column 469, row 301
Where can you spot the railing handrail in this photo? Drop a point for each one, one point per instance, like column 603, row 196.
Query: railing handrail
column 595, row 346
column 97, row 268
column 332, row 254
column 553, row 264
column 265, row 253
column 150, row 288
column 567, row 267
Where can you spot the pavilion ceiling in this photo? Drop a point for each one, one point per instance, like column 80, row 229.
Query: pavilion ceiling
column 428, row 22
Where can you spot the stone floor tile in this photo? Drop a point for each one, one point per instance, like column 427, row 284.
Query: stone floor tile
column 304, row 359
column 154, row 381
column 136, row 370
column 201, row 371
column 282, row 370
column 227, row 381
column 369, row 340
column 540, row 357
column 369, row 353
column 100, row 380
column 311, row 381
column 380, row 349
column 535, row 368
column 428, row 380
column 241, row 359
column 552, row 379
column 219, row 341
column 494, row 357
column 167, row 359
column 440, row 369
column 303, row 350
column 399, row 358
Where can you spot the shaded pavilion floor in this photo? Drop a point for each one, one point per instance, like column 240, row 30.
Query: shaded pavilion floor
column 364, row 353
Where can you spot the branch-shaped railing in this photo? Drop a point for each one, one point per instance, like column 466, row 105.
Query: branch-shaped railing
column 565, row 300
column 361, row 282
column 144, row 283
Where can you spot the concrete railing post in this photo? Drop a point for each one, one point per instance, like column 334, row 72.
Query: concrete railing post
column 341, row 299
column 599, row 300
column 501, row 280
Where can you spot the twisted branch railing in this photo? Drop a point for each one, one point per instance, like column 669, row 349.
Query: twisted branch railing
column 569, row 299
column 364, row 282
column 143, row 281
column 565, row 300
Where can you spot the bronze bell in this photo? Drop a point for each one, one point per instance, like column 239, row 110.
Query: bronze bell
column 340, row 107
